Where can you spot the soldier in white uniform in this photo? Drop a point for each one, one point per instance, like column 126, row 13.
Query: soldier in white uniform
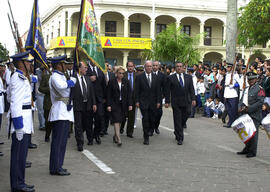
column 231, row 95
column 2, row 91
column 61, row 114
column 21, row 123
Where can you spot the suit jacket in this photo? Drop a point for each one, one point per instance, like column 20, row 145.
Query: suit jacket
column 77, row 95
column 266, row 86
column 99, row 85
column 177, row 95
column 45, row 89
column 134, row 78
column 162, row 83
column 147, row 97
column 113, row 95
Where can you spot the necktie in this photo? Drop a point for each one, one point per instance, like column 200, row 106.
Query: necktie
column 181, row 81
column 149, row 81
column 94, row 71
column 130, row 80
column 84, row 90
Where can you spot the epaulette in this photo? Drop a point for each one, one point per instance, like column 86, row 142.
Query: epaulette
column 21, row 76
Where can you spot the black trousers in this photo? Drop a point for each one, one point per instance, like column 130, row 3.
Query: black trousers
column 148, row 121
column 99, row 119
column 158, row 116
column 251, row 145
column 130, row 121
column 48, row 124
column 19, row 151
column 58, row 145
column 83, row 122
column 180, row 115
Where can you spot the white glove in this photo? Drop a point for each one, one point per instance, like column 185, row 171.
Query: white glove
column 19, row 134
column 73, row 79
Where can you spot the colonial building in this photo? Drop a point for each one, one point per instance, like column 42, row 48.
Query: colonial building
column 127, row 27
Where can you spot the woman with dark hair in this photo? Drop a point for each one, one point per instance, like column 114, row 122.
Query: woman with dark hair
column 119, row 101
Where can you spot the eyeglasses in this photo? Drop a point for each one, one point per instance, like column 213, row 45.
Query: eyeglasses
column 120, row 73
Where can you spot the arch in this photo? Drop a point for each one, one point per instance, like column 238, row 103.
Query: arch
column 113, row 56
column 74, row 23
column 111, row 12
column 215, row 20
column 138, row 14
column 135, row 56
column 254, row 55
column 169, row 16
column 190, row 18
column 212, row 57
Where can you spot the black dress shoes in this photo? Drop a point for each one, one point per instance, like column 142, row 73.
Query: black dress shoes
column 179, row 142
column 250, row 155
column 28, row 164
column 47, row 139
column 1, row 143
column 60, row 173
column 90, row 143
column 227, row 126
column 242, row 153
column 30, row 186
column 1, row 153
column 146, row 142
column 80, row 148
column 130, row 136
column 32, row 146
column 25, row 189
column 98, row 140
column 157, row 131
column 223, row 120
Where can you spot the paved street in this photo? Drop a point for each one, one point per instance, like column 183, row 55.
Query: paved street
column 205, row 162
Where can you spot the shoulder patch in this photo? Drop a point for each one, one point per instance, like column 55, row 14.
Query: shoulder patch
column 21, row 76
column 261, row 93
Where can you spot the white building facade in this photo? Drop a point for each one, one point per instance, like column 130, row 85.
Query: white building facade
column 142, row 20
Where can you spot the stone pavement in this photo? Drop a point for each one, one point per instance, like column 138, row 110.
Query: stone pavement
column 206, row 162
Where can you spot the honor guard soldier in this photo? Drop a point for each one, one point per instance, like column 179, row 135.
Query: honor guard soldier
column 253, row 107
column 231, row 94
column 21, row 122
column 61, row 114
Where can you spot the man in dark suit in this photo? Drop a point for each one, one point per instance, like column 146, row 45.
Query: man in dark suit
column 147, row 98
column 130, row 75
column 99, row 83
column 179, row 92
column 107, row 115
column 84, row 103
column 161, row 77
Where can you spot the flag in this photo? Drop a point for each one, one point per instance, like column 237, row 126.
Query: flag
column 88, row 43
column 35, row 41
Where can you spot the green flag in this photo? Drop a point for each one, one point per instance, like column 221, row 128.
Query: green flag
column 88, row 44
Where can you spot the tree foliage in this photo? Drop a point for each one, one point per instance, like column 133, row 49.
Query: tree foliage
column 254, row 23
column 173, row 45
column 3, row 52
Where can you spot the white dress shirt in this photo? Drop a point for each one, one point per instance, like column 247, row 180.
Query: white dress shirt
column 182, row 77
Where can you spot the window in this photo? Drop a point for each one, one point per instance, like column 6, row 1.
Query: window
column 52, row 33
column 47, row 39
column 59, row 28
column 161, row 27
column 135, row 29
column 208, row 35
column 110, row 28
column 264, row 45
column 186, row 29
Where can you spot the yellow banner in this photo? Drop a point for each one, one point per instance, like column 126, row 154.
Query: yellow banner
column 107, row 42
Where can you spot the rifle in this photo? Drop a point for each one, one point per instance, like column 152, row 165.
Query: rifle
column 245, row 75
column 15, row 32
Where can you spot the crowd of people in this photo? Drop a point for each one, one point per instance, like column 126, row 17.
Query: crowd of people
column 86, row 98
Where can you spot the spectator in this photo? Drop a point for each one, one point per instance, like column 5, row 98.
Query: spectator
column 209, row 107
column 219, row 108
column 265, row 109
column 200, row 91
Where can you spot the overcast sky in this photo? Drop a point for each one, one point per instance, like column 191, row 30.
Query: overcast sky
column 22, row 10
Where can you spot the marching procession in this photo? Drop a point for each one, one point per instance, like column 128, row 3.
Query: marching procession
column 83, row 92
